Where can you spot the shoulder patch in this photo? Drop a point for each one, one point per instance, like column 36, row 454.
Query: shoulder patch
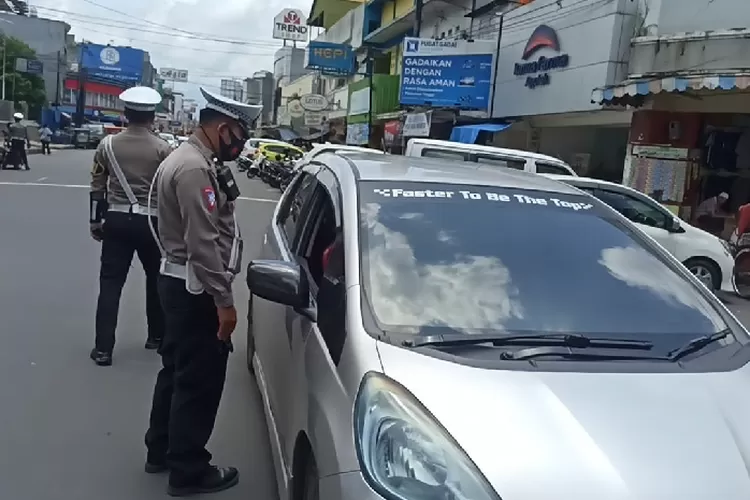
column 209, row 198
column 97, row 169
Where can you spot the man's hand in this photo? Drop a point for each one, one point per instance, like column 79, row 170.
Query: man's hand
column 227, row 322
column 97, row 230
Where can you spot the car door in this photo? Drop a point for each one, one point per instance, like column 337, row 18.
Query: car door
column 646, row 214
column 272, row 343
column 315, row 347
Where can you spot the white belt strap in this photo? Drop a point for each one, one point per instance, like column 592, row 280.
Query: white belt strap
column 150, row 222
column 118, row 171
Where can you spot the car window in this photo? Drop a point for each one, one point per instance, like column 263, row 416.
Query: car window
column 500, row 161
column 444, row 153
column 442, row 258
column 633, row 208
column 551, row 168
column 292, row 214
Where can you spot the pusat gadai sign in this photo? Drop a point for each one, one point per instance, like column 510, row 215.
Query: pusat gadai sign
column 290, row 24
column 537, row 72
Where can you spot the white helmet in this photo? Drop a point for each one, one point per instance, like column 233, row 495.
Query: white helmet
column 18, row 116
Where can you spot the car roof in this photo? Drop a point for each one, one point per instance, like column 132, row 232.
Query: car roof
column 344, row 147
column 378, row 167
column 484, row 149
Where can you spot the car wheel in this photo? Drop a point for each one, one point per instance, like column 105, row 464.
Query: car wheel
column 706, row 271
column 250, row 336
column 310, row 489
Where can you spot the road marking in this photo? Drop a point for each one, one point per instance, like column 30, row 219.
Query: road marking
column 5, row 183
column 265, row 200
column 42, row 179
column 43, row 184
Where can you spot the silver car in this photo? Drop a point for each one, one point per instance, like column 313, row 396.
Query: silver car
column 421, row 329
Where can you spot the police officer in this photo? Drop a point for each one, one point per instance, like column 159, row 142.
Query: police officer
column 19, row 140
column 202, row 252
column 124, row 165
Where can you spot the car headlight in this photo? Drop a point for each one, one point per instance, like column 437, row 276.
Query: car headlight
column 404, row 453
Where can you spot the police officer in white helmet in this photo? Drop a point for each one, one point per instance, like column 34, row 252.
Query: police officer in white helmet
column 124, row 166
column 19, row 140
column 201, row 251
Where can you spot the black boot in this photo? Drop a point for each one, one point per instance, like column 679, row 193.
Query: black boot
column 216, row 479
column 153, row 344
column 101, row 358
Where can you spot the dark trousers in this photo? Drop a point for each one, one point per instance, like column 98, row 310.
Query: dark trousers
column 125, row 234
column 18, row 152
column 45, row 148
column 189, row 386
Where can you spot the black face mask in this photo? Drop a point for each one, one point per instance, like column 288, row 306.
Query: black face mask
column 231, row 151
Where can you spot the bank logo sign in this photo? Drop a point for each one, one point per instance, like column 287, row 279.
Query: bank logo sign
column 537, row 71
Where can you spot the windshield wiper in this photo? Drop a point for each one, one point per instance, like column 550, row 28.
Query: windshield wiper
column 568, row 353
column 551, row 339
column 697, row 344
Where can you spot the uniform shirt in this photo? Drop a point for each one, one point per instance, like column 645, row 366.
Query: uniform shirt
column 18, row 131
column 45, row 134
column 139, row 154
column 196, row 221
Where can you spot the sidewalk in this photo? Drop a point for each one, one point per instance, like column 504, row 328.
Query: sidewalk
column 36, row 147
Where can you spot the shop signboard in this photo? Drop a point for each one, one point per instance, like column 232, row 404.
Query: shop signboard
column 290, row 24
column 313, row 102
column 417, row 125
column 295, row 109
column 314, row 118
column 330, row 58
column 30, row 66
column 357, row 133
column 114, row 63
column 174, row 75
column 446, row 73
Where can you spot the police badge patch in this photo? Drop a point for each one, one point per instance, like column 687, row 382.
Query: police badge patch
column 209, row 196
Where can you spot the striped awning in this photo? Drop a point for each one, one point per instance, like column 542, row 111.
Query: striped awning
column 653, row 85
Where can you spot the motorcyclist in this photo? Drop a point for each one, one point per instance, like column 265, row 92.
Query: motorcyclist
column 19, row 140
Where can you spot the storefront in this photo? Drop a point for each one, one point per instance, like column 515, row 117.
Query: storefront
column 547, row 66
column 690, row 136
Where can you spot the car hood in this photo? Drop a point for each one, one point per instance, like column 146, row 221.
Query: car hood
column 597, row 436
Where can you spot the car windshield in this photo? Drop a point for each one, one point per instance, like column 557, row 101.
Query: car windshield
column 443, row 258
column 167, row 137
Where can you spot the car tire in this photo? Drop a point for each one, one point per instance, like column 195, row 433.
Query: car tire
column 706, row 271
column 250, row 341
column 311, row 486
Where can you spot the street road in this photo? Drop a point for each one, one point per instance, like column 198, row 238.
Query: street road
column 70, row 429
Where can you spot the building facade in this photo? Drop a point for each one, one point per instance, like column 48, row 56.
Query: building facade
column 232, row 89
column 48, row 39
column 288, row 65
column 259, row 89
column 687, row 79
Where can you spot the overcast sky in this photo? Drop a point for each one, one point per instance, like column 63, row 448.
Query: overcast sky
column 248, row 22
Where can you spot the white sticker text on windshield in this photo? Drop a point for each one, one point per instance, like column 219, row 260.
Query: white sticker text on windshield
column 522, row 199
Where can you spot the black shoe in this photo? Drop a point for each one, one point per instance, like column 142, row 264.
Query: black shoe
column 153, row 344
column 155, row 467
column 101, row 358
column 216, row 479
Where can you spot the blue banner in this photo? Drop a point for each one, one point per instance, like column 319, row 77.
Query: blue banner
column 114, row 63
column 446, row 73
column 330, row 58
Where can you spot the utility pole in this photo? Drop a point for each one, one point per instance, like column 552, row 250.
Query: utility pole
column 497, row 61
column 81, row 99
column 57, row 83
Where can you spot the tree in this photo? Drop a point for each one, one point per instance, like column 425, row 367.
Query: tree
column 21, row 87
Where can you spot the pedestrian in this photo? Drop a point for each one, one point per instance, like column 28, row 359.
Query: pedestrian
column 19, row 140
column 202, row 251
column 124, row 166
column 45, row 136
column 710, row 214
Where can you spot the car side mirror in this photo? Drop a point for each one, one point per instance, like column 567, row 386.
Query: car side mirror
column 674, row 225
column 281, row 282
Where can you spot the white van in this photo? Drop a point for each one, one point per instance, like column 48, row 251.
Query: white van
column 511, row 158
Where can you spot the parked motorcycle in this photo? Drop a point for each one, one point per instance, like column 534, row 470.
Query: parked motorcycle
column 244, row 163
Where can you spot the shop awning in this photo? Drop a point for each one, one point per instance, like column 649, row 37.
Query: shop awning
column 468, row 134
column 624, row 92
